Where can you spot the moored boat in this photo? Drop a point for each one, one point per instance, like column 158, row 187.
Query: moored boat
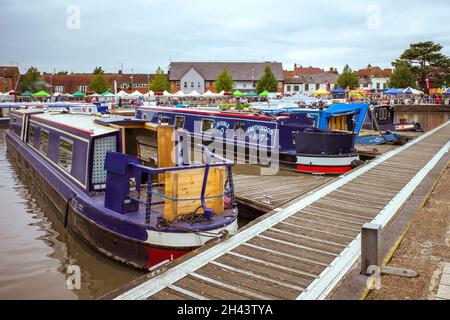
column 381, row 117
column 98, row 175
column 308, row 140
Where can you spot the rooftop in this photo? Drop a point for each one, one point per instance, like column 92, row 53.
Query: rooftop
column 78, row 122
column 238, row 70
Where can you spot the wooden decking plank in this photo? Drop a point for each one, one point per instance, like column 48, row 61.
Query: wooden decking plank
column 288, row 248
column 264, row 267
column 240, row 283
column 321, row 226
column 314, row 233
column 332, row 217
column 209, row 290
column 371, row 203
column 339, row 210
column 263, row 275
column 281, row 257
column 169, row 294
column 187, row 293
column 320, row 243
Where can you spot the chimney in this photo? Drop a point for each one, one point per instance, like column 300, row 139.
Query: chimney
column 295, row 66
column 120, row 72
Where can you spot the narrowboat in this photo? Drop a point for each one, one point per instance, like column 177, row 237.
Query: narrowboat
column 381, row 118
column 379, row 127
column 115, row 185
column 4, row 116
column 307, row 140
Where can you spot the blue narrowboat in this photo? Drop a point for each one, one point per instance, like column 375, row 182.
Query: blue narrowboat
column 381, row 118
column 117, row 190
column 309, row 140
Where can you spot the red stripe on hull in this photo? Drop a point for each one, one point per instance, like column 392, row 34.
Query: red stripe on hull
column 156, row 255
column 323, row 169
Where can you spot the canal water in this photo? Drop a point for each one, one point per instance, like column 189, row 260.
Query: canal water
column 36, row 249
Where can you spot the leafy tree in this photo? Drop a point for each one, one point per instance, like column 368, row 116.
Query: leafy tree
column 99, row 83
column 98, row 70
column 32, row 81
column 267, row 82
column 403, row 76
column 62, row 73
column 160, row 82
column 427, row 61
column 348, row 79
column 224, row 81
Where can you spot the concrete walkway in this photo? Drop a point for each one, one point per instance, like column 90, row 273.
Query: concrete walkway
column 444, row 285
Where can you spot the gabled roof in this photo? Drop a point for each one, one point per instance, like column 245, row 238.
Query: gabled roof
column 307, row 70
column 9, row 71
column 331, row 77
column 374, row 72
column 238, row 70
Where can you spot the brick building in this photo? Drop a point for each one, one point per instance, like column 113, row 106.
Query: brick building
column 201, row 76
column 73, row 82
column 309, row 79
column 373, row 78
column 9, row 78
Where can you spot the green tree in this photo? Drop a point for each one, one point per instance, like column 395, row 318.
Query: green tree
column 224, row 81
column 267, row 82
column 62, row 73
column 32, row 81
column 427, row 61
column 99, row 83
column 98, row 70
column 348, row 79
column 160, row 82
column 403, row 76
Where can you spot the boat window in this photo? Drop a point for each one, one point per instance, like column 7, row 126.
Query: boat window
column 43, row 144
column 65, row 154
column 162, row 119
column 15, row 126
column 31, row 134
column 207, row 125
column 101, row 147
column 179, row 122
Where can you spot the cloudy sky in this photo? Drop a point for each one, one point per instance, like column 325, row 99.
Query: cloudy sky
column 79, row 35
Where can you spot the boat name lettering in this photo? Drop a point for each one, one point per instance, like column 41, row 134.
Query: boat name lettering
column 261, row 129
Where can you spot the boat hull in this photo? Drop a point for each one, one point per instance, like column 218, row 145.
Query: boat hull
column 326, row 165
column 326, row 152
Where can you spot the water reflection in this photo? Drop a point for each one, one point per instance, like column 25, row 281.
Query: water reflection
column 36, row 248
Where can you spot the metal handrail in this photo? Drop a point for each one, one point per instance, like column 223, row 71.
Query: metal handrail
column 208, row 156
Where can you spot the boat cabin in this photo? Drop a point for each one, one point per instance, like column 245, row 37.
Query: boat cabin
column 76, row 145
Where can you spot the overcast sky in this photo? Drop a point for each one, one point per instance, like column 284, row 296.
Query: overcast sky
column 145, row 34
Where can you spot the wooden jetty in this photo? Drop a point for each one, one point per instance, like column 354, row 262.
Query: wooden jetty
column 266, row 193
column 304, row 248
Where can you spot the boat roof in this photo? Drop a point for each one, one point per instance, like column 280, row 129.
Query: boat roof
column 78, row 122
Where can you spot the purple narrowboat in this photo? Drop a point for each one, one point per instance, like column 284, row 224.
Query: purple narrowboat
column 306, row 140
column 117, row 190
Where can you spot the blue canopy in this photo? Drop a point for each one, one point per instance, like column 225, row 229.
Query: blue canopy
column 392, row 91
column 358, row 109
column 446, row 91
column 338, row 91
